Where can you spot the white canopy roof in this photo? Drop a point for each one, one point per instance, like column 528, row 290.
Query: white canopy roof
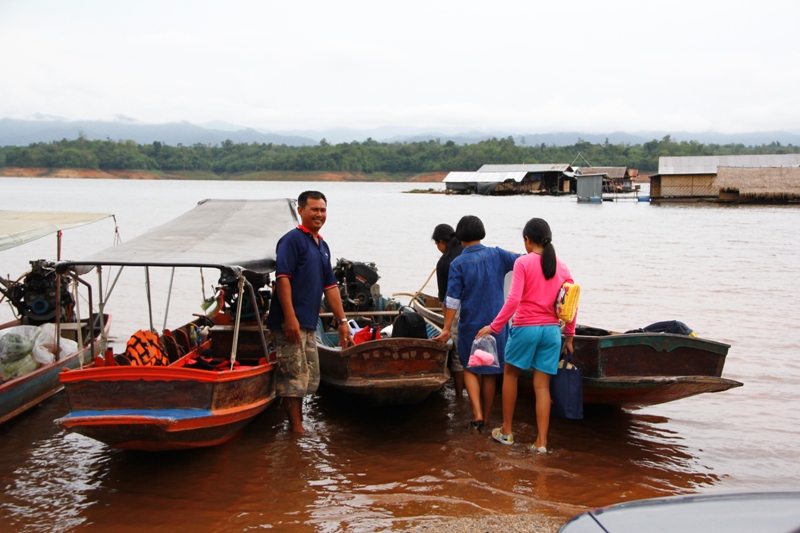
column 217, row 233
column 20, row 227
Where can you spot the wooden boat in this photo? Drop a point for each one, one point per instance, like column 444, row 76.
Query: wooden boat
column 633, row 369
column 387, row 371
column 34, row 299
column 179, row 405
column 22, row 393
column 428, row 306
column 157, row 408
column 639, row 369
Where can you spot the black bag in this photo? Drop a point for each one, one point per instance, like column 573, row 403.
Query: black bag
column 566, row 390
column 409, row 324
column 667, row 326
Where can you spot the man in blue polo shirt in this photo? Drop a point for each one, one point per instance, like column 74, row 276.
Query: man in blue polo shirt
column 303, row 274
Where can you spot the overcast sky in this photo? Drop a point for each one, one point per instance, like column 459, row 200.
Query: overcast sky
column 520, row 66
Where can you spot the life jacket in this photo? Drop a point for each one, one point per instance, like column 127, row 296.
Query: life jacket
column 144, row 349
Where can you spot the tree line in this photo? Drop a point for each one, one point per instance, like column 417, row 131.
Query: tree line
column 360, row 157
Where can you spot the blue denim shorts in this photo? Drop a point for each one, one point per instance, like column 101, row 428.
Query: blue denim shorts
column 537, row 347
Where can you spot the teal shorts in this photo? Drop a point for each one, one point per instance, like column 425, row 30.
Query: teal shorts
column 536, row 347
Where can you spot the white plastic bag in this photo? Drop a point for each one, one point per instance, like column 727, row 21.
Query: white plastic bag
column 45, row 347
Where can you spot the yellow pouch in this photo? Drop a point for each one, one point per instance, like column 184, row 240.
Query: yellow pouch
column 567, row 301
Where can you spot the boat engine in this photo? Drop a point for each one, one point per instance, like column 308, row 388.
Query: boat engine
column 34, row 295
column 229, row 284
column 357, row 284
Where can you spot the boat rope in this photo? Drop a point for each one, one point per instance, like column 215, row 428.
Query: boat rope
column 114, row 284
column 149, row 299
column 416, row 295
column 238, row 321
column 101, row 308
column 116, row 241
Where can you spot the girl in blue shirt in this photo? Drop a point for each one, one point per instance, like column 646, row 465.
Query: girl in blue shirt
column 475, row 286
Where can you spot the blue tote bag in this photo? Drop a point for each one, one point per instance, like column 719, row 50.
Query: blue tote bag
column 566, row 389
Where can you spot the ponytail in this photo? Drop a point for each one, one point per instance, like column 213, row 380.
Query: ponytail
column 537, row 230
column 446, row 234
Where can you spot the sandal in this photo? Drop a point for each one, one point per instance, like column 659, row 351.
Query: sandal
column 497, row 434
column 476, row 425
column 540, row 449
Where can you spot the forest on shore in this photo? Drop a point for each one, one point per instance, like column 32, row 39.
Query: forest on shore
column 365, row 157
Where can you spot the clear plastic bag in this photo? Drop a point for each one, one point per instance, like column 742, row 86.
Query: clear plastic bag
column 17, row 342
column 16, row 369
column 484, row 353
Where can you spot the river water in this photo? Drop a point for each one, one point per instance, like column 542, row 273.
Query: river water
column 729, row 272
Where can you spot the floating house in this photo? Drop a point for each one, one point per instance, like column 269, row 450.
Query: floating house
column 617, row 179
column 693, row 178
column 747, row 184
column 589, row 187
column 513, row 179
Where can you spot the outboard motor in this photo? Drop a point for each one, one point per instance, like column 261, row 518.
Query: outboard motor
column 34, row 296
column 357, row 284
column 229, row 283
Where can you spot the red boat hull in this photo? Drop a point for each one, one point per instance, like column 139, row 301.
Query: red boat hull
column 167, row 408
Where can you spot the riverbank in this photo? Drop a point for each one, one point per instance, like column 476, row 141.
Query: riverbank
column 527, row 523
column 271, row 175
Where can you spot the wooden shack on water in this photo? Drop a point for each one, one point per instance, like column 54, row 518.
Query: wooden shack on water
column 617, row 179
column 693, row 178
column 761, row 185
column 513, row 179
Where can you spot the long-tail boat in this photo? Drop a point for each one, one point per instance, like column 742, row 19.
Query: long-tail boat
column 632, row 369
column 219, row 372
column 385, row 371
column 41, row 300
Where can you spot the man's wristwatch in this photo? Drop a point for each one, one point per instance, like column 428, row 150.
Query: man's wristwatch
column 342, row 320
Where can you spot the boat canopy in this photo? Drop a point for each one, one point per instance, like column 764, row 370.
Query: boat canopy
column 20, row 227
column 224, row 234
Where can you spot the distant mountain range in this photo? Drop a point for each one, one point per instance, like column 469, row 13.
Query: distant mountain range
column 17, row 132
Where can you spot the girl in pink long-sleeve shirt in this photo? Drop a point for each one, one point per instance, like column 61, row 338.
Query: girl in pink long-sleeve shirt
column 535, row 337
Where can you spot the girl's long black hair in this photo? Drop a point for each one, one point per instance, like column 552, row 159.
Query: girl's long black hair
column 538, row 230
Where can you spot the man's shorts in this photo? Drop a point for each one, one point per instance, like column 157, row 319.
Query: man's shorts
column 298, row 364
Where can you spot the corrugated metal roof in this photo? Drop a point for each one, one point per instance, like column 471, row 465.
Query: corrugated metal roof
column 708, row 164
column 484, row 177
column 525, row 168
column 611, row 172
